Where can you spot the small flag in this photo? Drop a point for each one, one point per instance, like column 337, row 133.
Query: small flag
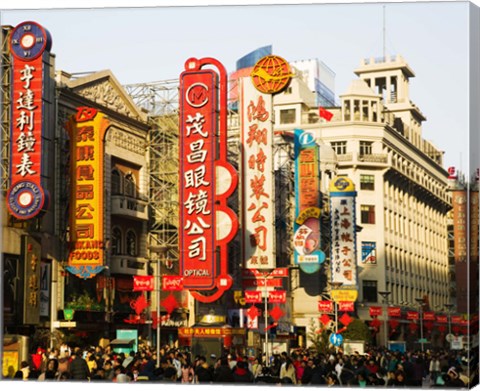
column 325, row 113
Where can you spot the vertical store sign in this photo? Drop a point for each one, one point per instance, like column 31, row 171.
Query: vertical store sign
column 31, row 252
column 459, row 198
column 29, row 44
column 343, row 247
column 206, row 223
column 270, row 75
column 197, row 181
column 87, row 131
column 307, row 196
column 257, row 171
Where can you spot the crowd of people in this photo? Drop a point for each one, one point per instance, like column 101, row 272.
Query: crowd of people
column 376, row 367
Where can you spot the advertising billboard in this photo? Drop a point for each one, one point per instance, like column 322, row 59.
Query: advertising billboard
column 29, row 44
column 86, row 245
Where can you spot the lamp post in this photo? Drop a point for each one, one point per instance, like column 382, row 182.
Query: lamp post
column 421, row 303
column 265, row 293
column 335, row 285
column 385, row 295
column 449, row 307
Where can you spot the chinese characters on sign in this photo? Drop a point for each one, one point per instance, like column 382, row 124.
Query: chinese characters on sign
column 86, row 129
column 257, row 172
column 29, row 45
column 342, row 200
column 459, row 198
column 307, row 196
column 31, row 252
column 197, row 183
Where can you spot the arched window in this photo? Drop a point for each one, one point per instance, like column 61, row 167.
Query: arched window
column 132, row 243
column 129, row 185
column 116, row 241
column 116, row 182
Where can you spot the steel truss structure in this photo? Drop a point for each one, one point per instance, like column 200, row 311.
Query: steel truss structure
column 5, row 107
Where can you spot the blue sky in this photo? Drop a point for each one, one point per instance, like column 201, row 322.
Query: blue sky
column 152, row 43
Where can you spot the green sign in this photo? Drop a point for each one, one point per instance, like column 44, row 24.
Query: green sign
column 68, row 314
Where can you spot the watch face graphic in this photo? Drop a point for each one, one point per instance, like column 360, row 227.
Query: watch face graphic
column 29, row 40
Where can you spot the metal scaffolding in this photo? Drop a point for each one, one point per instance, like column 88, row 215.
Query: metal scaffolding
column 5, row 107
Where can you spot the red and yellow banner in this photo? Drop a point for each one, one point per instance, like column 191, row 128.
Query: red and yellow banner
column 86, row 130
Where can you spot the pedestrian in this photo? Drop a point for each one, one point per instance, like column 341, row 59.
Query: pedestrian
column 241, row 373
column 223, row 373
column 187, row 373
column 256, row 367
column 434, row 369
column 79, row 367
column 287, row 370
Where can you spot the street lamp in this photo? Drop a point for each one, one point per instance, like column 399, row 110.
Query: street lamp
column 265, row 293
column 421, row 303
column 385, row 295
column 335, row 285
column 449, row 307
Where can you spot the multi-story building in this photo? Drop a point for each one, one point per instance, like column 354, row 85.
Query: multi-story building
column 402, row 199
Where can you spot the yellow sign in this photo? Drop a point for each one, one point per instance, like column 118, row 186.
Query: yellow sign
column 87, row 130
column 271, row 74
column 10, row 363
column 344, row 295
column 311, row 212
column 342, row 184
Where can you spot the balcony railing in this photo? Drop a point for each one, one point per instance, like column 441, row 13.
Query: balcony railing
column 381, row 158
column 129, row 207
column 126, row 264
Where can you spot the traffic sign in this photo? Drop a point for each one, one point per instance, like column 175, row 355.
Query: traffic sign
column 449, row 337
column 336, row 339
column 422, row 340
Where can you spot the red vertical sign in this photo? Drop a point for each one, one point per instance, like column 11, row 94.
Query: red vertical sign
column 26, row 197
column 198, row 127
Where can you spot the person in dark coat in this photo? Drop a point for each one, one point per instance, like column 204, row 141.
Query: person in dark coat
column 79, row 367
column 223, row 373
column 241, row 373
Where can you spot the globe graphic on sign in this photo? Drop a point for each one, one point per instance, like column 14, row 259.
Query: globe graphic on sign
column 271, row 74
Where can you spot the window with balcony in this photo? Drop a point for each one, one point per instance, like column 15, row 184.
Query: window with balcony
column 366, row 147
column 340, row 147
column 367, row 213
column 287, row 116
column 116, row 182
column 367, row 182
column 129, row 185
column 132, row 249
column 116, row 241
column 369, row 291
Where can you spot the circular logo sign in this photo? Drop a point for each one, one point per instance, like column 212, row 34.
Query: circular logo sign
column 29, row 40
column 271, row 74
column 25, row 200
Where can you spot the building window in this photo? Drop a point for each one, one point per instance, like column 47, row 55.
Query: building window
column 116, row 241
column 370, row 293
column 287, row 116
column 131, row 243
column 340, row 147
column 367, row 214
column 129, row 185
column 367, row 182
column 366, row 147
column 116, row 182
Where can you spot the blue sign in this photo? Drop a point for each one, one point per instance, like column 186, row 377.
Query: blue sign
column 336, row 339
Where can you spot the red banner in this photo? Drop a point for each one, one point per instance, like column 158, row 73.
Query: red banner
column 172, row 283
column 429, row 315
column 456, row 319
column 278, row 296
column 253, row 297
column 375, row 311
column 253, row 273
column 143, row 283
column 346, row 306
column 325, row 306
column 412, row 315
column 442, row 318
column 394, row 311
column 270, row 282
